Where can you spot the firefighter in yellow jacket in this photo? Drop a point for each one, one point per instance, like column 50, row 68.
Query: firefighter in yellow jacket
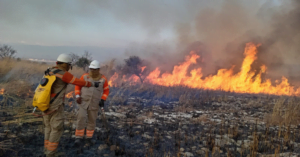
column 54, row 116
column 89, row 100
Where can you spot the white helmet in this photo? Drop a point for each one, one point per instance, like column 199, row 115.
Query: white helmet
column 64, row 58
column 94, row 65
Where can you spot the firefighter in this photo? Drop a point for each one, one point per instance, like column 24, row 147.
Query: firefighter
column 89, row 100
column 54, row 116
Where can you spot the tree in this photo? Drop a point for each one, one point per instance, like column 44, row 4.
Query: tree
column 74, row 57
column 7, row 52
column 82, row 61
column 134, row 66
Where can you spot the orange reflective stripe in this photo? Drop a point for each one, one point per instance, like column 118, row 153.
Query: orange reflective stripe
column 73, row 79
column 51, row 149
column 52, row 146
column 104, row 95
column 59, row 75
column 46, row 143
column 89, row 133
column 79, row 132
column 106, row 88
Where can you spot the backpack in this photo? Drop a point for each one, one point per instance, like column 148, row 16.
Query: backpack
column 42, row 95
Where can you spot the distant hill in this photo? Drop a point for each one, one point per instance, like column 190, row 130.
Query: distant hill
column 40, row 60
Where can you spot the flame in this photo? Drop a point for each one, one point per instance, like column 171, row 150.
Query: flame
column 69, row 95
column 2, row 91
column 113, row 79
column 245, row 81
column 143, row 68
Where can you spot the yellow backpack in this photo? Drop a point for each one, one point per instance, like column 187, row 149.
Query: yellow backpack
column 42, row 95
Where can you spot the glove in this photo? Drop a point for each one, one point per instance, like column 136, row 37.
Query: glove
column 96, row 84
column 101, row 103
column 78, row 100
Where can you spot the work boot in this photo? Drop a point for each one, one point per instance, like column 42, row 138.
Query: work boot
column 77, row 142
column 90, row 142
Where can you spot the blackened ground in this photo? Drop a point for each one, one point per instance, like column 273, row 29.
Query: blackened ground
column 152, row 127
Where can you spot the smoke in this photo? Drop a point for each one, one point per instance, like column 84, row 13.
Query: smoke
column 280, row 45
column 217, row 30
column 223, row 32
column 219, row 35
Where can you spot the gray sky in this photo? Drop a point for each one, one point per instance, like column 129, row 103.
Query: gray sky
column 44, row 29
column 162, row 31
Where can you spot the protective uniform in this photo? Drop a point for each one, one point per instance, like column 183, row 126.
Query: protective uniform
column 88, row 109
column 55, row 120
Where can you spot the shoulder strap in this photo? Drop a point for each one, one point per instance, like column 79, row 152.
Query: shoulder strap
column 55, row 72
column 57, row 94
column 48, row 72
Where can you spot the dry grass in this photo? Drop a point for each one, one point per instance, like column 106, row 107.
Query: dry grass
column 20, row 69
column 184, row 108
column 285, row 112
column 18, row 77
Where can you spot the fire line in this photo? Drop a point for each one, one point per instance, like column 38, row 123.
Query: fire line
column 245, row 81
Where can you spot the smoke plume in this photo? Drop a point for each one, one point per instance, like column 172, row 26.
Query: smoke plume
column 219, row 35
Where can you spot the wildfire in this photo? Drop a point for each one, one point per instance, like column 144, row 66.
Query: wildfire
column 143, row 68
column 113, row 78
column 69, row 95
column 2, row 91
column 245, row 81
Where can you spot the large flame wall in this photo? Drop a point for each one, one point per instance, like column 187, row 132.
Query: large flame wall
column 245, row 81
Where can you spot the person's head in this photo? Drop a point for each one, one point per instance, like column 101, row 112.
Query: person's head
column 64, row 62
column 94, row 68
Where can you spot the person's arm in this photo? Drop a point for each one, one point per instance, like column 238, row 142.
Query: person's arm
column 105, row 89
column 105, row 94
column 69, row 78
column 78, row 88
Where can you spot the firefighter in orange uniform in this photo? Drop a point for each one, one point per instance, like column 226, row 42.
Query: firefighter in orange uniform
column 89, row 101
column 54, row 116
